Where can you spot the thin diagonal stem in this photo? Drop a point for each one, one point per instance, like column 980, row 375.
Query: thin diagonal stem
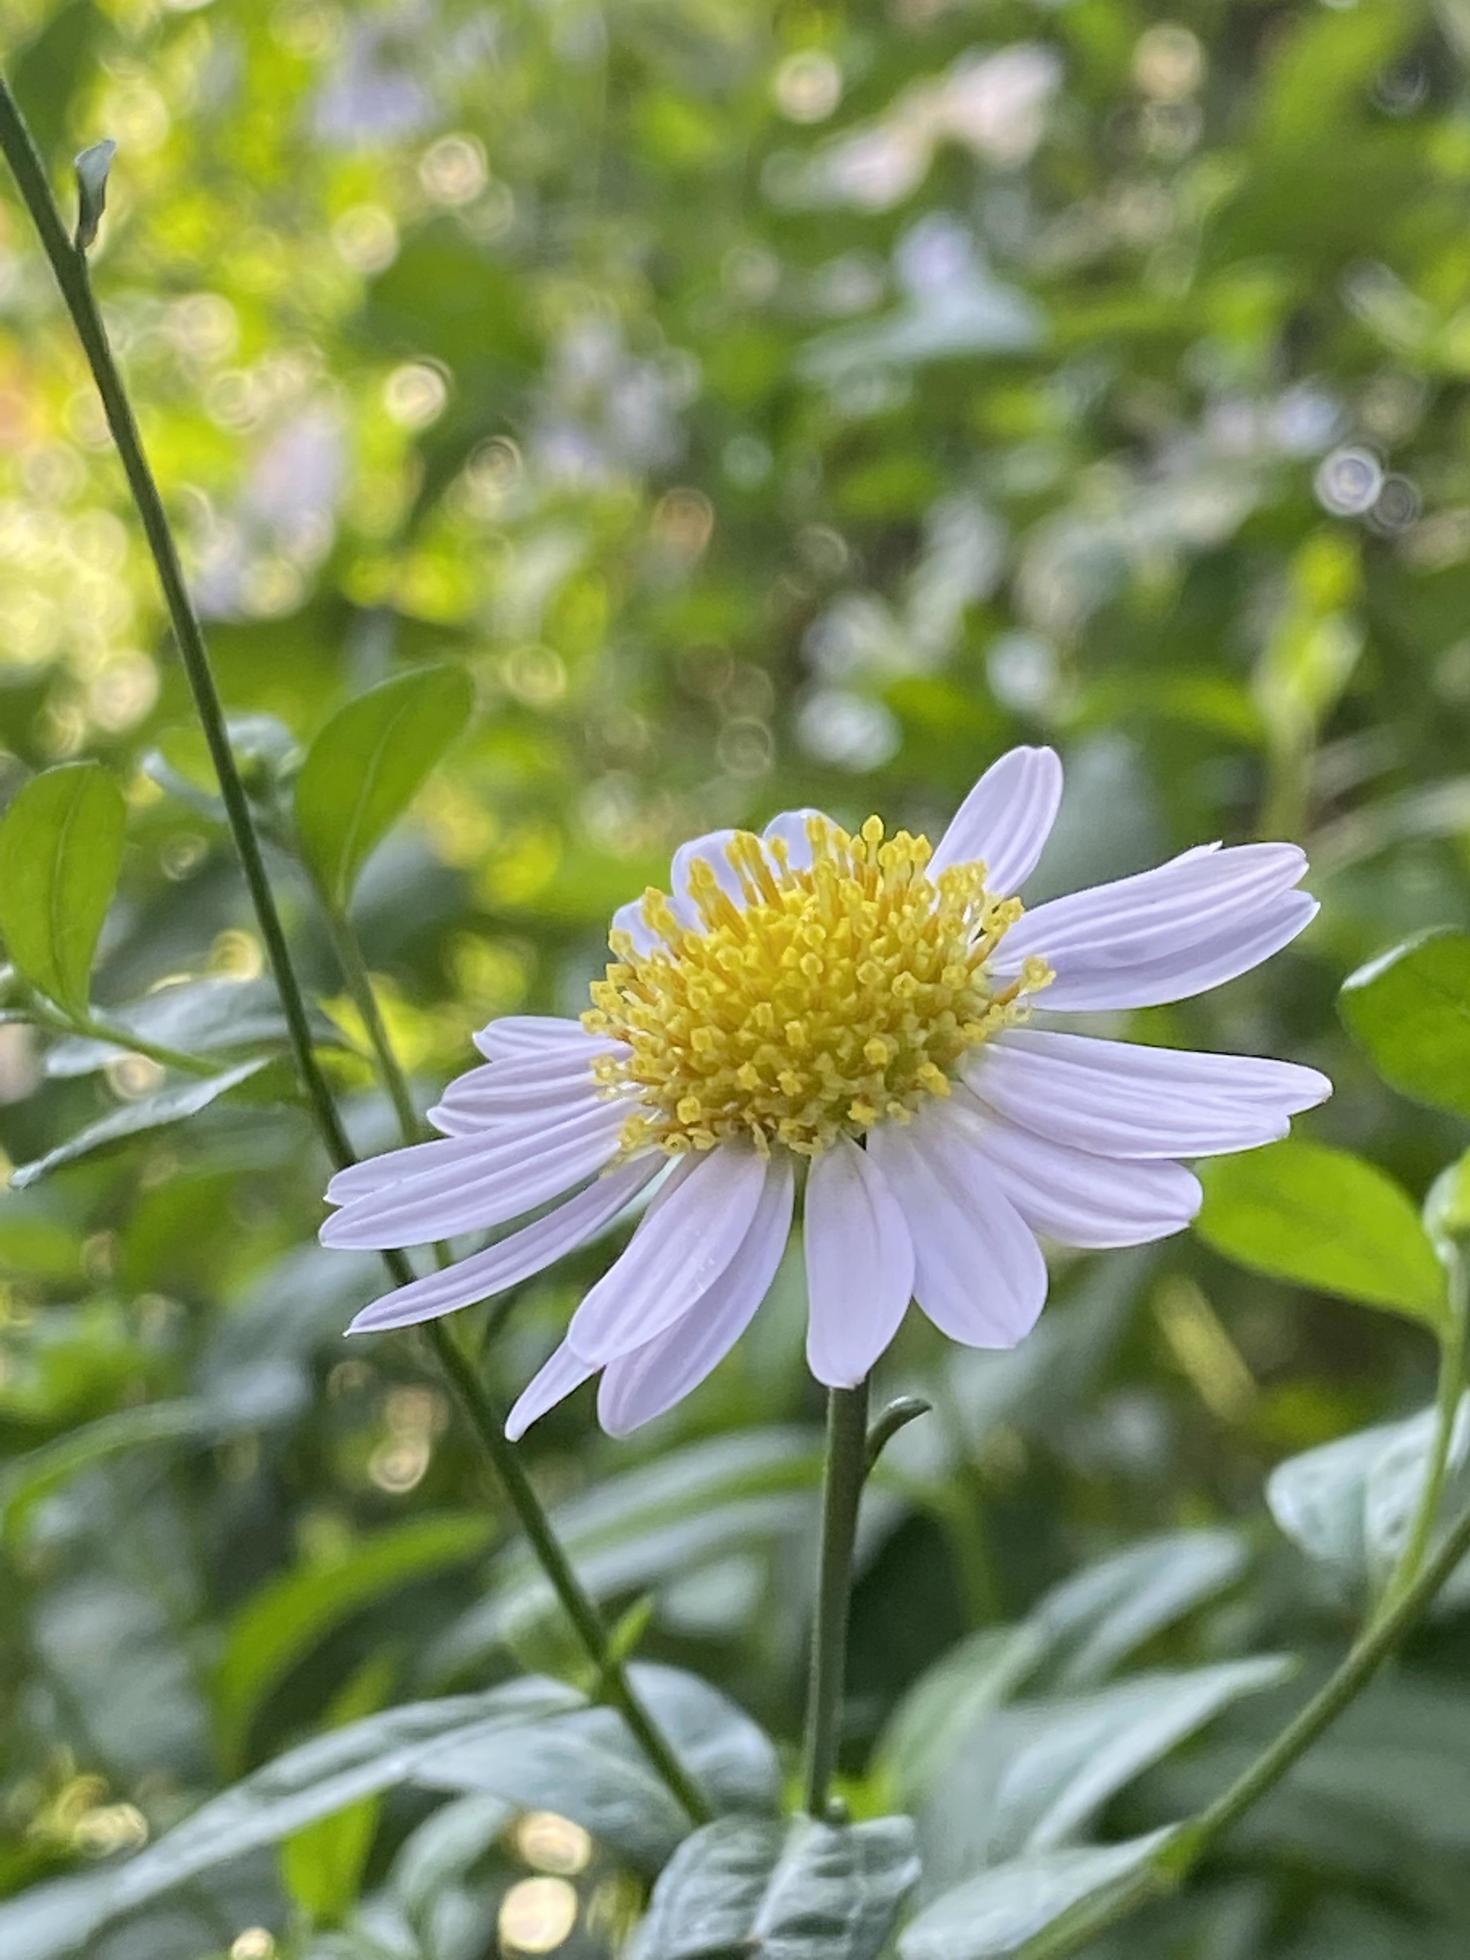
column 846, row 1471
column 69, row 265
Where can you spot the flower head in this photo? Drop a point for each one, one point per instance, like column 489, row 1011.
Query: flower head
column 863, row 1015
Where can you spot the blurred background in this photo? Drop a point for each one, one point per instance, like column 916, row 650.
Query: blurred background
column 766, row 405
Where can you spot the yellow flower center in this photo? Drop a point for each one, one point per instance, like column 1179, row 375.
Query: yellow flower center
column 838, row 995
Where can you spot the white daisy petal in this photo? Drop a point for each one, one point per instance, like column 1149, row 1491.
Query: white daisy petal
column 520, row 1036
column 515, row 1257
column 789, row 828
column 398, row 1166
column 1082, row 1200
column 710, row 847
column 859, row 1265
column 683, row 1244
column 1251, row 1081
column 978, row 1271
column 555, row 1381
column 1113, row 1113
column 654, row 1377
column 1006, row 819
column 517, row 1166
column 483, row 1095
column 1234, row 948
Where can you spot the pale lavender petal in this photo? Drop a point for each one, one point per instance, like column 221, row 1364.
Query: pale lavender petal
column 654, row 1377
column 1082, row 1200
column 518, row 1165
column 978, row 1271
column 1006, row 819
column 498, row 1089
column 790, row 828
column 711, row 848
column 515, row 1257
column 1248, row 1079
column 683, row 1244
column 629, row 919
column 859, row 1264
column 391, row 1167
column 555, row 1381
column 1164, row 934
column 523, row 1035
column 1113, row 1113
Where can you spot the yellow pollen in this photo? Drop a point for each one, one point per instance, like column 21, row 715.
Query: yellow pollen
column 835, row 997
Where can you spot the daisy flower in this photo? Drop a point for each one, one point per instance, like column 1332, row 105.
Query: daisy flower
column 863, row 1017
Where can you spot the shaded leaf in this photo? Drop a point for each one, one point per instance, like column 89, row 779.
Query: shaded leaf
column 172, row 1105
column 323, row 1863
column 998, row 1911
column 946, row 1703
column 366, row 765
column 60, row 849
column 197, row 1017
column 92, row 167
column 1324, row 1218
column 1409, row 1011
column 791, row 1888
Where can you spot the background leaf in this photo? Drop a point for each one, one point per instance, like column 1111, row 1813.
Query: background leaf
column 1409, row 1010
column 60, row 848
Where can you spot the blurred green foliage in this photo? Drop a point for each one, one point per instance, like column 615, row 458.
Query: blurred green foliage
column 760, row 406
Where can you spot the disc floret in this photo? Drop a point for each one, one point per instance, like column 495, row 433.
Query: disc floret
column 838, row 994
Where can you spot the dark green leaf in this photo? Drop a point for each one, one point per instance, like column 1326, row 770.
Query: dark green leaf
column 169, row 1106
column 197, row 1017
column 322, row 1863
column 1325, row 1219
column 366, row 765
column 60, row 848
column 998, row 1911
column 797, row 1889
column 1409, row 1010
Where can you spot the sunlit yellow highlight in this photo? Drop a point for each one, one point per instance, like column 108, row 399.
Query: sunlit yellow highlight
column 836, row 996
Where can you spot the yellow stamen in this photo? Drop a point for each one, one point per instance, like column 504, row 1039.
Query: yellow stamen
column 838, row 996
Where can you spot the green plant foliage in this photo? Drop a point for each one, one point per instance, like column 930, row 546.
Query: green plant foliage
column 1325, row 1218
column 364, row 767
column 60, row 848
column 1409, row 1010
column 799, row 1888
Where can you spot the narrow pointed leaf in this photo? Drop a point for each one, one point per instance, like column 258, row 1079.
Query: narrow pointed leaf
column 60, row 849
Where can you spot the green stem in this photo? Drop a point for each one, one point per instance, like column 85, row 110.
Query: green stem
column 1446, row 1409
column 613, row 1683
column 1173, row 1863
column 846, row 1471
column 69, row 265
column 359, row 981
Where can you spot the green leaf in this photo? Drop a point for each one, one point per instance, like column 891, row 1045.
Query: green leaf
column 1033, row 1775
column 1348, row 1504
column 1409, row 1011
column 793, row 1888
column 320, row 1777
column 28, row 1480
column 172, row 1105
column 323, row 1863
column 198, row 1017
column 264, row 750
column 367, row 764
column 288, row 1616
column 585, row 1765
column 92, row 167
column 947, row 1702
column 998, row 1911
column 1094, row 1620
column 60, row 849
column 1325, row 1219
column 1447, row 1210
column 659, row 1522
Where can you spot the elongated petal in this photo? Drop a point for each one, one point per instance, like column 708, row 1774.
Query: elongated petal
column 1006, row 819
column 553, row 1383
column 398, row 1166
column 711, row 848
column 533, row 1034
column 789, row 828
column 859, row 1265
column 1247, row 1079
column 515, row 1257
column 978, row 1271
column 680, row 1249
column 1112, row 1113
column 1234, row 948
column 653, row 1378
column 1082, row 1200
column 518, row 1165
column 555, row 1082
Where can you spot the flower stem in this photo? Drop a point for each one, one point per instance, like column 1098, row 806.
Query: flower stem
column 69, row 264
column 847, row 1464
column 1446, row 1410
column 1176, row 1859
column 346, row 946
